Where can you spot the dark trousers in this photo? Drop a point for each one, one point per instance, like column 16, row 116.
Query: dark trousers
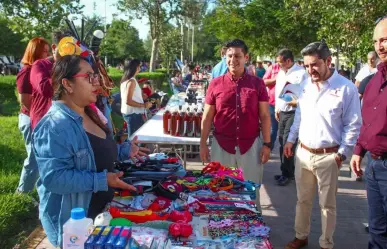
column 285, row 122
column 376, row 175
column 274, row 126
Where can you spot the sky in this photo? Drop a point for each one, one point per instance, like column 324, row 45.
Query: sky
column 88, row 10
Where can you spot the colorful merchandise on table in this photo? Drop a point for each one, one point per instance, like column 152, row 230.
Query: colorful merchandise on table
column 213, row 208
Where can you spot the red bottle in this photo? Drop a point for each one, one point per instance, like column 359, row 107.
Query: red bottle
column 198, row 123
column 167, row 121
column 182, row 115
column 190, row 124
column 174, row 123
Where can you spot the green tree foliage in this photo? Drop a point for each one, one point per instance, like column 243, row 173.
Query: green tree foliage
column 347, row 24
column 265, row 25
column 170, row 44
column 11, row 43
column 158, row 12
column 37, row 17
column 122, row 42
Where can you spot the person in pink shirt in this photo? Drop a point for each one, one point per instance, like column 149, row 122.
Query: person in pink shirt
column 270, row 78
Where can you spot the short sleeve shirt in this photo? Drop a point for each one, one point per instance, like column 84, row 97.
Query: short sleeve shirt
column 271, row 73
column 236, row 102
column 23, row 84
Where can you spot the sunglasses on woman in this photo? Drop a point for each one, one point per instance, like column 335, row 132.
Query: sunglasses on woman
column 93, row 77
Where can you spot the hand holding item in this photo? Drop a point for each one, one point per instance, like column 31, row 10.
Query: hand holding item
column 114, row 181
column 277, row 115
column 355, row 165
column 136, row 151
column 288, row 149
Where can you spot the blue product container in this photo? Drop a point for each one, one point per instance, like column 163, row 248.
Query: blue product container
column 93, row 237
column 123, row 238
column 113, row 237
column 100, row 244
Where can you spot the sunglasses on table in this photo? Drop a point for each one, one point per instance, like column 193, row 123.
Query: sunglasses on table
column 93, row 77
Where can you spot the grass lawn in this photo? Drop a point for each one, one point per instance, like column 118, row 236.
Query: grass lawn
column 18, row 215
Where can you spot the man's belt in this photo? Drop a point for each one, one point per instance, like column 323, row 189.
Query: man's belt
column 321, row 150
column 376, row 157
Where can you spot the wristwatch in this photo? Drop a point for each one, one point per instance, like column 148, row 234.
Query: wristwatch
column 267, row 145
column 341, row 156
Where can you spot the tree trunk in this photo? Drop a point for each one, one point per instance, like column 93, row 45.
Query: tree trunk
column 155, row 49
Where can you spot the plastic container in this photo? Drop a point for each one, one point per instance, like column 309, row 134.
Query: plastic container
column 76, row 230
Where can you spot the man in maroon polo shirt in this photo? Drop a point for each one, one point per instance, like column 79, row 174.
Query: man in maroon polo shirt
column 236, row 103
column 373, row 139
column 40, row 78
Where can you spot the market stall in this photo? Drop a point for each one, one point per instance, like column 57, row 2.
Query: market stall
column 212, row 208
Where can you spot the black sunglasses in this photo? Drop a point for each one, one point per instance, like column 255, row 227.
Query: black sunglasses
column 380, row 19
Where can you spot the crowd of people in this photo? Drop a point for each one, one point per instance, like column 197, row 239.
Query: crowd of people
column 316, row 112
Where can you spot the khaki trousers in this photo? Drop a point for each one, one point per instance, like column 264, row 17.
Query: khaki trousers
column 312, row 170
column 249, row 162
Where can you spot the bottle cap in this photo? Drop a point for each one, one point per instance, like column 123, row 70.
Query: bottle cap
column 77, row 213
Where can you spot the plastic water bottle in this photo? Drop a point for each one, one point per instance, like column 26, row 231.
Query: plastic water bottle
column 76, row 229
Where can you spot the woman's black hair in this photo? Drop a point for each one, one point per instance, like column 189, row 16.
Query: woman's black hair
column 65, row 67
column 130, row 69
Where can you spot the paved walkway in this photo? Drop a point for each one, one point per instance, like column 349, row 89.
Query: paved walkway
column 278, row 205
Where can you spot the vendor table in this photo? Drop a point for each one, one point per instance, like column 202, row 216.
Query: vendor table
column 152, row 133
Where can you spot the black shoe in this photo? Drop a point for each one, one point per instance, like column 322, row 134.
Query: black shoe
column 283, row 181
column 277, row 177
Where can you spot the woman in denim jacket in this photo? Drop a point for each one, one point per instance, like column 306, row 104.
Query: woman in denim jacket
column 66, row 162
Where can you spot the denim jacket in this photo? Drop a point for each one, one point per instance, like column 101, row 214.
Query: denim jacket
column 67, row 168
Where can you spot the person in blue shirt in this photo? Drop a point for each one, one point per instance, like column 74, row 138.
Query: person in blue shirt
column 260, row 69
column 74, row 150
column 220, row 68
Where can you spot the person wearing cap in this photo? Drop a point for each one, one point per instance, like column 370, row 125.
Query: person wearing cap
column 326, row 123
column 373, row 141
column 237, row 105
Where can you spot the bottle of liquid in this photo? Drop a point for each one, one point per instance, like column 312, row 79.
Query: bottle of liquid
column 182, row 115
column 198, row 122
column 174, row 122
column 76, row 229
column 190, row 131
column 167, row 121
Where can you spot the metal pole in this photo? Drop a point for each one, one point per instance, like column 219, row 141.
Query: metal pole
column 192, row 48
column 106, row 59
column 182, row 39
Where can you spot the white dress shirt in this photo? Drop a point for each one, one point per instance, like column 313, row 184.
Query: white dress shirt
column 364, row 72
column 295, row 75
column 328, row 117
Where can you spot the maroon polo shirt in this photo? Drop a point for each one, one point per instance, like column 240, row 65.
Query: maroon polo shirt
column 42, row 92
column 23, row 84
column 373, row 132
column 236, row 101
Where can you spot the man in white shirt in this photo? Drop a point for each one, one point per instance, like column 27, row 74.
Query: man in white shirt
column 368, row 69
column 288, row 86
column 327, row 124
